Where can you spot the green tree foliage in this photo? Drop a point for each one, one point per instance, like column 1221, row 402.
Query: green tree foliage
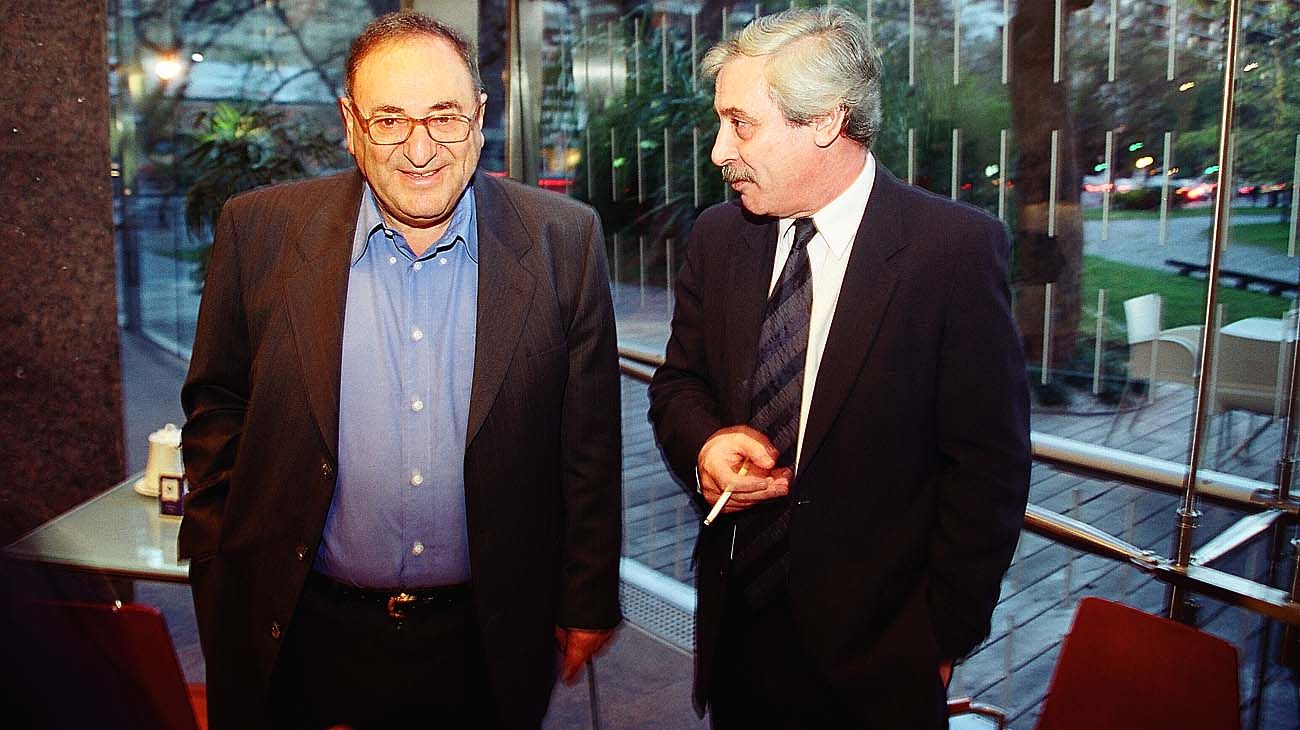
column 1268, row 93
column 238, row 148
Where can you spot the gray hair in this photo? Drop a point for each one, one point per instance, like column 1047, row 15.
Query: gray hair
column 821, row 60
column 406, row 24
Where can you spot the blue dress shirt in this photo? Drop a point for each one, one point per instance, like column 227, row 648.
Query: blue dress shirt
column 398, row 515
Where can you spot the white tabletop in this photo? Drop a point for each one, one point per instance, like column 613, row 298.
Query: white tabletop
column 119, row 533
column 1257, row 328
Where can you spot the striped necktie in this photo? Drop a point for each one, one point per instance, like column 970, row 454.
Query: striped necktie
column 762, row 554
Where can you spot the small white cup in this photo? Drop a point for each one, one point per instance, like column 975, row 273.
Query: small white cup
column 164, row 458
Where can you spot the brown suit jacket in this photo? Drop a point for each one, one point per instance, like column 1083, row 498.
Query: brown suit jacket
column 542, row 461
column 914, row 469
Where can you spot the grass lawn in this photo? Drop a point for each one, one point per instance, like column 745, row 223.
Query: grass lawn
column 1184, row 297
column 1271, row 235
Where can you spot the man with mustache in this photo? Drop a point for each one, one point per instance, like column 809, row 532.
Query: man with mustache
column 845, row 391
column 403, row 433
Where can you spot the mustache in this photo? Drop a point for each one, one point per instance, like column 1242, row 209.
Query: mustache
column 734, row 174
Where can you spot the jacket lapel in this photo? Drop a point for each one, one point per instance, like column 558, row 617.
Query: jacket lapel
column 317, row 291
column 869, row 284
column 746, row 300
column 505, row 291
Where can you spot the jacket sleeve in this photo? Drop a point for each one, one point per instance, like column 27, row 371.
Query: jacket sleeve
column 215, row 393
column 592, row 450
column 684, row 405
column 983, row 440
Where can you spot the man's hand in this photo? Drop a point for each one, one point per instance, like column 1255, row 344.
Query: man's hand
column 719, row 465
column 577, row 646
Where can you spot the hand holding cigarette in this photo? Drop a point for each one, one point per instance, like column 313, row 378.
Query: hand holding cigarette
column 735, row 471
column 726, row 497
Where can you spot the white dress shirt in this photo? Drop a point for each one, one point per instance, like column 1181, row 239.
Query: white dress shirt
column 828, row 255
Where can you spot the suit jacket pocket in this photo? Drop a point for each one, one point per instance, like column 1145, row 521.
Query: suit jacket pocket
column 547, row 367
column 200, row 531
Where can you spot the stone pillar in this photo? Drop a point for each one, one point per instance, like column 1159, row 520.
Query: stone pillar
column 459, row 14
column 60, row 381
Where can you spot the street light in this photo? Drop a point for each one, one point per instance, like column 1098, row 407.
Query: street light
column 167, row 68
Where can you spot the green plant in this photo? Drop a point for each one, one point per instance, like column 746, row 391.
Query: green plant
column 1136, row 199
column 627, row 133
column 238, row 148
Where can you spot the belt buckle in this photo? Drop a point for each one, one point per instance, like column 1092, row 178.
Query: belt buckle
column 397, row 605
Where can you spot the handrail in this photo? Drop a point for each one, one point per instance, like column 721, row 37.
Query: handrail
column 1104, row 462
column 1143, row 471
column 1235, row 536
column 1101, row 462
column 1232, row 589
column 1083, row 536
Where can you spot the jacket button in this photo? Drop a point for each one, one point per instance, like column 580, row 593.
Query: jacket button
column 326, row 470
column 301, row 552
column 275, row 630
column 801, row 501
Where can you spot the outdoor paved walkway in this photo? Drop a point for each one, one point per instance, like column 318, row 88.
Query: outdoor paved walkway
column 1137, row 242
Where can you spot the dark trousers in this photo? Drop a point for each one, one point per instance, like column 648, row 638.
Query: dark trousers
column 763, row 677
column 347, row 663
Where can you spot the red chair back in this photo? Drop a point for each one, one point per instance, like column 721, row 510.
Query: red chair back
column 1122, row 668
column 109, row 666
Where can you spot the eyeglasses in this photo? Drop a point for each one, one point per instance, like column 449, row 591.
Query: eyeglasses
column 390, row 129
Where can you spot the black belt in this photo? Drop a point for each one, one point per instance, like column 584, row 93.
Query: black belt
column 396, row 601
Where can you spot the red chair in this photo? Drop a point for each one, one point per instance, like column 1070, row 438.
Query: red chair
column 109, row 666
column 1121, row 668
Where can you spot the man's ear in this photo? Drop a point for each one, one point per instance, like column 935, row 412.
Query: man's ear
column 349, row 124
column 828, row 127
column 482, row 112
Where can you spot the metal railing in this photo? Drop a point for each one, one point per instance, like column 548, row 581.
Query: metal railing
column 1271, row 509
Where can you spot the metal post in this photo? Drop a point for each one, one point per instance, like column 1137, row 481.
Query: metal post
column 1187, row 513
column 1099, row 342
column 523, row 95
column 1278, row 532
column 592, row 696
column 911, row 43
column 1110, row 184
column 1047, row 334
column 955, row 181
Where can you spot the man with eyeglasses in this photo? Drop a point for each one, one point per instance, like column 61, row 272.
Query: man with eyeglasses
column 403, row 436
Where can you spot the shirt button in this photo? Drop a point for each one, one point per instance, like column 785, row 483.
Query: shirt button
column 416, row 478
column 417, row 548
column 417, row 405
column 417, row 265
column 417, row 334
column 392, row 260
column 275, row 630
column 442, row 261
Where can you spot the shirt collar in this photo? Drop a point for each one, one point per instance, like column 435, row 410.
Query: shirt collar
column 838, row 220
column 370, row 222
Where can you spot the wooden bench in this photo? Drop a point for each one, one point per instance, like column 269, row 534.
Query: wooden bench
column 1238, row 279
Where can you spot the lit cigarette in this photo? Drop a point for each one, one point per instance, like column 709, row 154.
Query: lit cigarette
column 726, row 495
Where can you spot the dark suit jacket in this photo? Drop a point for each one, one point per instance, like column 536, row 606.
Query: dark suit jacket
column 542, row 461
column 914, row 472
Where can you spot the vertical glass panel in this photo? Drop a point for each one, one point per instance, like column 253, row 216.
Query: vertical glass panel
column 208, row 99
column 1092, row 130
column 1256, row 342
